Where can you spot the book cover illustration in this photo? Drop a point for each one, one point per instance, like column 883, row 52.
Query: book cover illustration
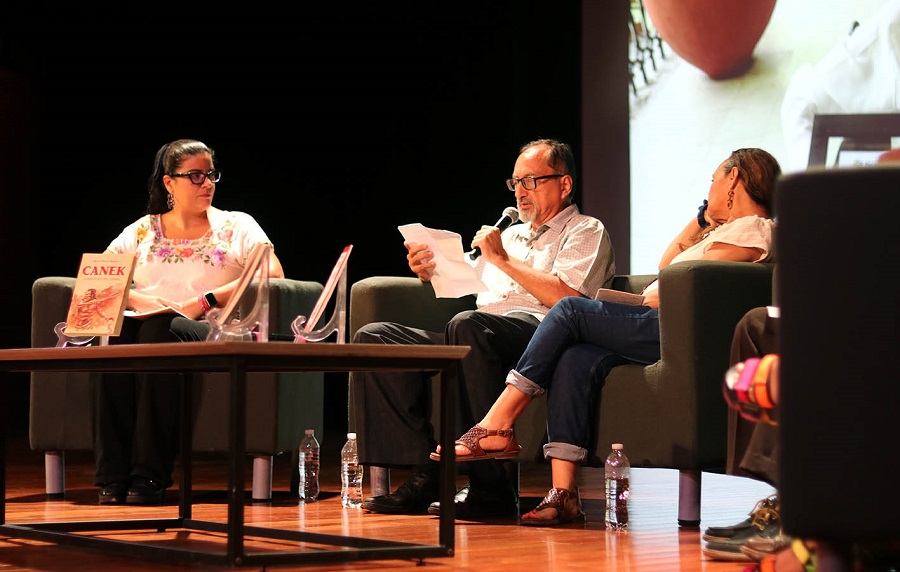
column 101, row 291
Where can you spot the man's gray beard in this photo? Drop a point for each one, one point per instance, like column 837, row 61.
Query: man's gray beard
column 526, row 216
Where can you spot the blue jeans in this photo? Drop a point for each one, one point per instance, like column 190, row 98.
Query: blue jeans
column 569, row 356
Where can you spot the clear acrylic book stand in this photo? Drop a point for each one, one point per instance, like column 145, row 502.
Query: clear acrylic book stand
column 63, row 341
column 303, row 326
column 225, row 325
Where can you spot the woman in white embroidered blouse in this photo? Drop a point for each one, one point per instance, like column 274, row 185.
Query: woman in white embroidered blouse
column 189, row 256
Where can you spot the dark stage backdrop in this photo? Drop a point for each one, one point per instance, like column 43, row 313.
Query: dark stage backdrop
column 333, row 123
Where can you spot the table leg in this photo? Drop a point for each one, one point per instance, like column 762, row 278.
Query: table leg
column 187, row 444
column 448, row 460
column 237, row 424
column 3, row 407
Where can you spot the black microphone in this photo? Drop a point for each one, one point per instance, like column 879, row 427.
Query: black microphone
column 510, row 216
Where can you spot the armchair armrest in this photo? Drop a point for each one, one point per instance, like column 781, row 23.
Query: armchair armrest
column 287, row 299
column 633, row 283
column 702, row 302
column 50, row 300
column 405, row 300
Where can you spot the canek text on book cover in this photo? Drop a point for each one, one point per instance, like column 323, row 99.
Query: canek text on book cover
column 101, row 291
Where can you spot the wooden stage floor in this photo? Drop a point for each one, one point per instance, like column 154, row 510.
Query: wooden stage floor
column 654, row 541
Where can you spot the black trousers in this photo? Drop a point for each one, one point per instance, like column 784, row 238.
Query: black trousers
column 137, row 416
column 753, row 447
column 392, row 410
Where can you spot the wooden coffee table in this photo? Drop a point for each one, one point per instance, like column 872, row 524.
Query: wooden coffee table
column 237, row 359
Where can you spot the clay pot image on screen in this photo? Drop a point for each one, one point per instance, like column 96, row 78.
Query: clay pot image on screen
column 716, row 36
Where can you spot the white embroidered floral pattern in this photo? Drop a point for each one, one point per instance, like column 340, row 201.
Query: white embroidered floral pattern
column 208, row 249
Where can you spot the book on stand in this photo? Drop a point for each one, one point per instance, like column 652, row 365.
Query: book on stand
column 100, row 295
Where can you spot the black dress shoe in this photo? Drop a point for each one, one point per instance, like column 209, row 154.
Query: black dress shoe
column 460, row 497
column 145, row 491
column 412, row 497
column 476, row 503
column 113, row 493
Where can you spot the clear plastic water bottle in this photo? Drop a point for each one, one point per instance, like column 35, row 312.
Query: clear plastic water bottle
column 351, row 474
column 308, row 467
column 618, row 483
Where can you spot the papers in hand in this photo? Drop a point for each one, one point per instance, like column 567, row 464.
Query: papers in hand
column 453, row 277
column 618, row 297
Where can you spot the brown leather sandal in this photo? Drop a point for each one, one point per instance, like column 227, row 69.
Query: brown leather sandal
column 472, row 441
column 560, row 506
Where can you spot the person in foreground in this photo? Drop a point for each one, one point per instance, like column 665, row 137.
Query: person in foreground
column 760, row 537
column 753, row 451
column 734, row 224
column 528, row 268
column 760, row 534
column 189, row 256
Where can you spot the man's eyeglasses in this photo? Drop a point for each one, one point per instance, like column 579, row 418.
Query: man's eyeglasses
column 528, row 183
column 199, row 177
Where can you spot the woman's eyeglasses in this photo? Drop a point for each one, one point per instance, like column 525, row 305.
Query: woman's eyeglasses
column 199, row 177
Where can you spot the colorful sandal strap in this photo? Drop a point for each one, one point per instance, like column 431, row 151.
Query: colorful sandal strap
column 774, row 380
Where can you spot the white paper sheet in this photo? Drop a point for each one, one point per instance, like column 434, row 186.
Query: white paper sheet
column 160, row 310
column 453, row 277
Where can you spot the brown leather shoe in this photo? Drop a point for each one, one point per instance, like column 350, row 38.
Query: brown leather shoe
column 560, row 506
column 471, row 440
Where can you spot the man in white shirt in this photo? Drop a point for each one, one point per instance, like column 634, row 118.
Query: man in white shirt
column 529, row 267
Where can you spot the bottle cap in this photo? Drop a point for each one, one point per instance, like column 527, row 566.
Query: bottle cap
column 617, row 446
column 310, row 431
column 351, row 435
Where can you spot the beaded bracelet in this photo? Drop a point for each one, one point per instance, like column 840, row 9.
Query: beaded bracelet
column 761, row 393
column 745, row 382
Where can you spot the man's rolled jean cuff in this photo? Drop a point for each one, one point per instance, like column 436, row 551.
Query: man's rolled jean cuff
column 565, row 452
column 523, row 384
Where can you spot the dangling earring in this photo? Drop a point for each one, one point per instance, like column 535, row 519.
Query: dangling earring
column 728, row 204
column 170, row 201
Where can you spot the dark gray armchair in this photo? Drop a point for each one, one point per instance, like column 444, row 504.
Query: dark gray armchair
column 279, row 406
column 670, row 414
